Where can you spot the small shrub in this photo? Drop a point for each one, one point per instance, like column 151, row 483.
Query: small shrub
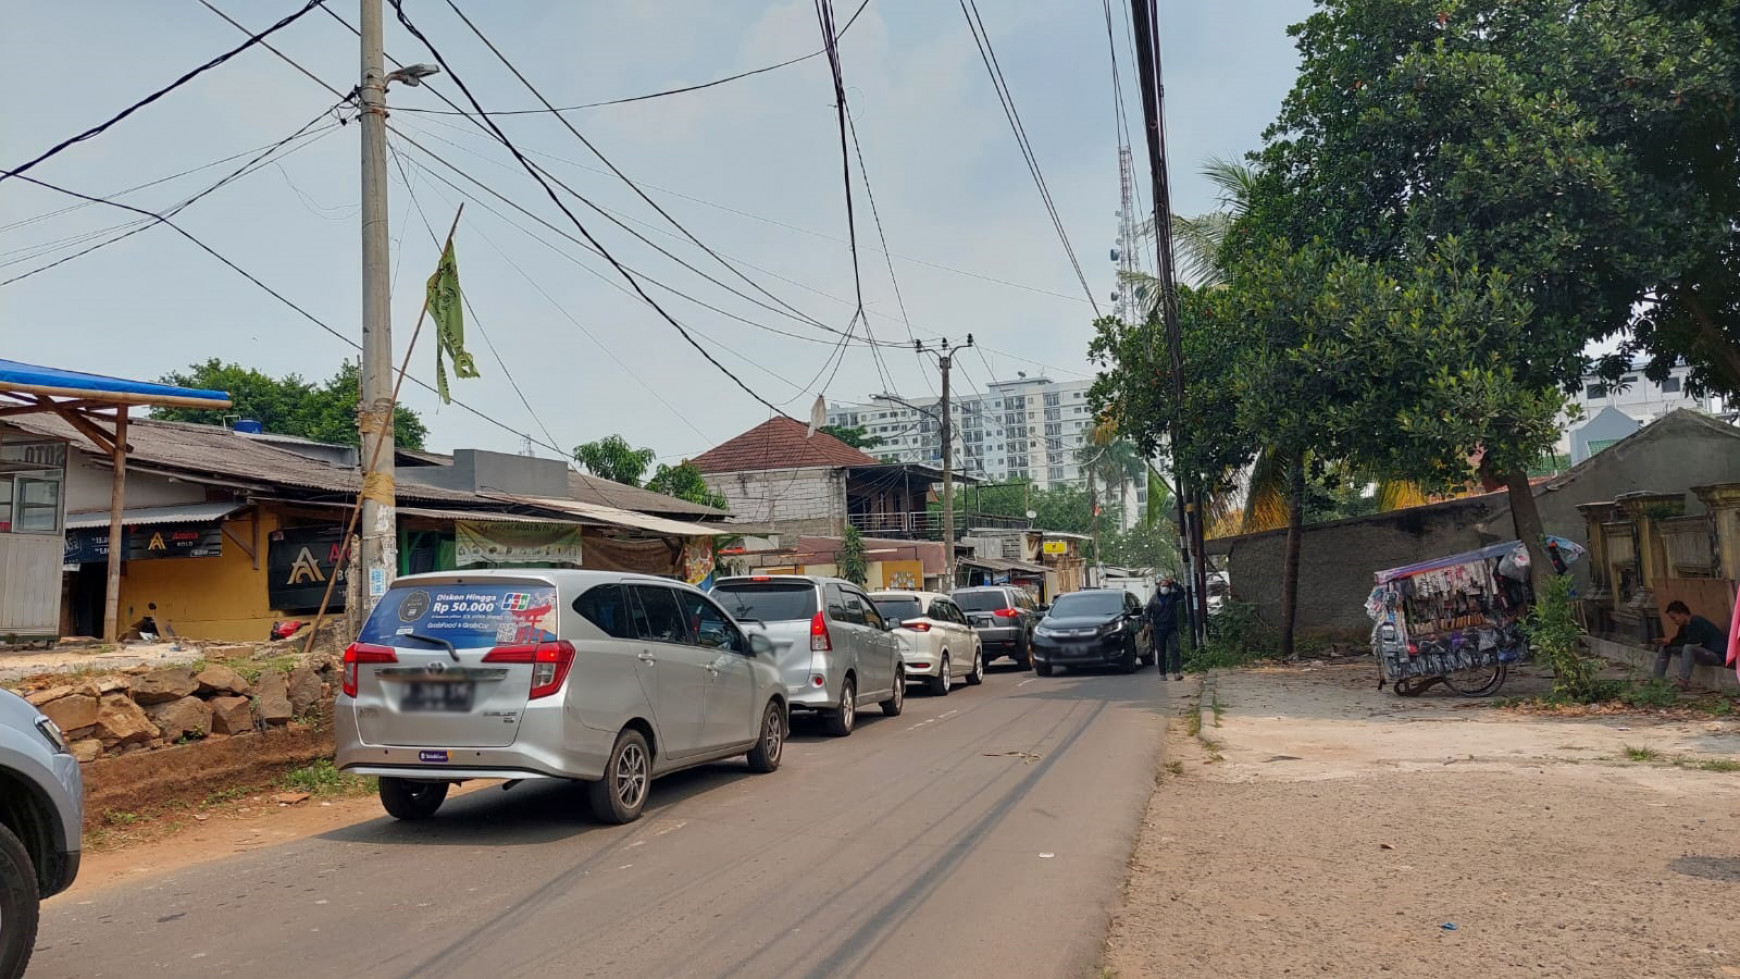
column 1555, row 638
column 1655, row 693
column 1642, row 754
column 1236, row 637
column 1719, row 765
column 321, row 778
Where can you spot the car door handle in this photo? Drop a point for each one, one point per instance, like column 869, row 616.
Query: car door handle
column 647, row 657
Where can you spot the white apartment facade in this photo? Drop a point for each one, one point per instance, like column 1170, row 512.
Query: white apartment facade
column 1636, row 396
column 1030, row 428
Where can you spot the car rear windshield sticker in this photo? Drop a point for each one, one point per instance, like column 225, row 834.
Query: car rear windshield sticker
column 468, row 616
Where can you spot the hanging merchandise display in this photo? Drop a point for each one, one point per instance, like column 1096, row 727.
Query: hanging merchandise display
column 1456, row 620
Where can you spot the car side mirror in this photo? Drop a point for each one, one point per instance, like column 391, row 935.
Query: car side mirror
column 760, row 645
column 889, row 625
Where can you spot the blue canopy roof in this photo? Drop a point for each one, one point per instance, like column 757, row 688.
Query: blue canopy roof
column 56, row 383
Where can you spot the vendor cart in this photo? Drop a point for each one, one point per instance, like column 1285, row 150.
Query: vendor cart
column 1456, row 620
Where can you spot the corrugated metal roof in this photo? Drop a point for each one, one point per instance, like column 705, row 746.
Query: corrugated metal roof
column 620, row 518
column 148, row 515
column 206, row 450
column 479, row 516
column 603, row 492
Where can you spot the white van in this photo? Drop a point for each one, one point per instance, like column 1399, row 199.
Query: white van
column 610, row 679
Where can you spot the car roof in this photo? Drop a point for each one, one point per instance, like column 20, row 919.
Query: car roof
column 561, row 578
column 901, row 593
column 760, row 579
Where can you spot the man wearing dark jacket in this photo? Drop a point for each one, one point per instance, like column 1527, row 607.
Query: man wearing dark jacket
column 1698, row 641
column 1163, row 611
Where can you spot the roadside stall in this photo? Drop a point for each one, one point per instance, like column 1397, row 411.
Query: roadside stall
column 1456, row 620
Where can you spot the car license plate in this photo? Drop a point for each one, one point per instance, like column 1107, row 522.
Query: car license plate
column 447, row 697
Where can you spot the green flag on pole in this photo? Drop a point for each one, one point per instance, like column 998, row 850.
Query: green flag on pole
column 446, row 309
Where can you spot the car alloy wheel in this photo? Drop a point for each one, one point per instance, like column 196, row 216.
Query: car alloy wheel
column 630, row 776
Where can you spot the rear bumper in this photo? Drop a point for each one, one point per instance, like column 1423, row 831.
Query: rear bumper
column 1000, row 637
column 545, row 747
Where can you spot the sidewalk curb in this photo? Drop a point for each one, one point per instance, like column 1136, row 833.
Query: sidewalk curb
column 1204, row 698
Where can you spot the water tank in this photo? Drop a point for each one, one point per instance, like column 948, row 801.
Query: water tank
column 248, row 426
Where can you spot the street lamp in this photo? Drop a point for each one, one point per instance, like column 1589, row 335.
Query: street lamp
column 411, row 75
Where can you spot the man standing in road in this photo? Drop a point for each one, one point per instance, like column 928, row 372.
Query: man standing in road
column 1163, row 619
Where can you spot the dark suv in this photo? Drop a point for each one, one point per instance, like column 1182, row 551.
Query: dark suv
column 41, row 817
column 1004, row 618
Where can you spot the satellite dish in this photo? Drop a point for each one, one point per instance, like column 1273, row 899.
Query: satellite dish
column 1033, row 514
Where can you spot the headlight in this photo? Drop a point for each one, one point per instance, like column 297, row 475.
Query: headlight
column 51, row 731
column 1113, row 627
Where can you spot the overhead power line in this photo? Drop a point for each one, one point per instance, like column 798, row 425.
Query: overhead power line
column 650, row 95
column 102, row 127
column 253, row 164
column 399, row 10
column 988, row 54
column 593, row 149
column 275, row 294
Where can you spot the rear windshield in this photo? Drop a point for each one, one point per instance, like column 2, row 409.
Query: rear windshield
column 768, row 601
column 1089, row 603
column 469, row 616
column 981, row 601
column 899, row 609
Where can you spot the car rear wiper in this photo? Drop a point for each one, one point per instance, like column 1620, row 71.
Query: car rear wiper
column 444, row 644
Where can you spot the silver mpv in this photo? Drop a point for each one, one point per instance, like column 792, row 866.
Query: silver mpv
column 611, row 679
column 835, row 651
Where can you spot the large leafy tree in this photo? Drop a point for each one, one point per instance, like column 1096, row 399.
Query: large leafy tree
column 1524, row 127
column 288, row 405
column 613, row 458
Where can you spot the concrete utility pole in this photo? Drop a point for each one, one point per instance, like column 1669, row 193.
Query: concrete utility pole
column 380, row 545
column 944, row 361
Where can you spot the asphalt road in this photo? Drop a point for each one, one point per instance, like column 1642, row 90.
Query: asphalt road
column 981, row 834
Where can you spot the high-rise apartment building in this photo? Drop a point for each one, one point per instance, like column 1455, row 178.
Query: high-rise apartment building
column 1030, row 429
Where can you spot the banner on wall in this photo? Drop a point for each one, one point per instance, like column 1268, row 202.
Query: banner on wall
column 300, row 562
column 90, row 545
column 903, row 575
column 485, row 544
column 698, row 561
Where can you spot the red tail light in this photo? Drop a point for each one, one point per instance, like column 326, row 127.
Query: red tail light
column 916, row 626
column 363, row 652
column 550, row 661
column 1005, row 613
column 820, row 641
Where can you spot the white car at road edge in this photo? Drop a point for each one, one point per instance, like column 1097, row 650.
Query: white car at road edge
column 937, row 642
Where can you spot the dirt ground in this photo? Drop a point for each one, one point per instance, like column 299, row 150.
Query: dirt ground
column 1319, row 827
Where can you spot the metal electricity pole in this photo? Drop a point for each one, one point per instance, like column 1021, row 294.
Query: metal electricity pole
column 1146, row 17
column 945, row 362
column 375, row 420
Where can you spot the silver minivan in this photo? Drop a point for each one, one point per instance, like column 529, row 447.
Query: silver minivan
column 836, row 652
column 611, row 679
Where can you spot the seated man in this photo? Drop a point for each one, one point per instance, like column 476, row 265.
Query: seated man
column 1698, row 641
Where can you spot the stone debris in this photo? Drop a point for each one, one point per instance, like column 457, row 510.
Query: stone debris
column 189, row 717
column 167, row 684
column 219, row 680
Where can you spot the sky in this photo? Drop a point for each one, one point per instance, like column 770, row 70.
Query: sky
column 751, row 168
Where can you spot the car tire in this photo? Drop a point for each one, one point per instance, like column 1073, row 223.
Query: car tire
column 896, row 701
column 1128, row 663
column 1023, row 655
column 940, row 684
column 840, row 721
column 765, row 756
column 1043, row 669
column 620, row 795
column 405, row 799
column 977, row 676
column 20, row 906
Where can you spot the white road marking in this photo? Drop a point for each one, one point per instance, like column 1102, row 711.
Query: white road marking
column 1025, row 682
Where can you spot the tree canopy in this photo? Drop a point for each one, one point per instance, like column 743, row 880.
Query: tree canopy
column 288, row 405
column 857, row 438
column 685, row 482
column 612, row 458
